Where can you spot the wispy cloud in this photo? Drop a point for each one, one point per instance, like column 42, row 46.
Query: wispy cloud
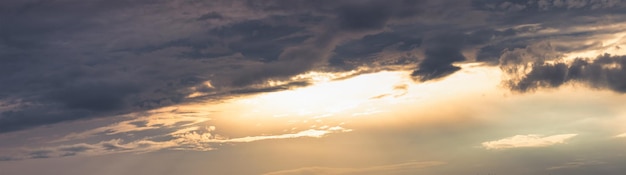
column 623, row 135
column 157, row 119
column 190, row 138
column 385, row 169
column 307, row 133
column 521, row 141
column 576, row 164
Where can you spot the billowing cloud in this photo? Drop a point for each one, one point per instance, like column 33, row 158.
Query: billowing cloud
column 440, row 53
column 72, row 60
column 605, row 72
column 522, row 141
column 101, row 58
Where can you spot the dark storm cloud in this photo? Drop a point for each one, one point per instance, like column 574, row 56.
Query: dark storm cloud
column 69, row 60
column 605, row 72
column 442, row 50
column 94, row 96
column 260, row 40
column 369, row 49
column 549, row 12
column 541, row 33
column 345, row 21
column 440, row 53
column 365, row 16
column 64, row 61
column 47, row 71
column 545, row 5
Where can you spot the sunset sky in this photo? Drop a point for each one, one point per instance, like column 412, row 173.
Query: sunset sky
column 306, row 87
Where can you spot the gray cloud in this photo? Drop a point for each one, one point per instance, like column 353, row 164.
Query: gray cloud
column 347, row 21
column 287, row 86
column 70, row 60
column 210, row 15
column 40, row 154
column 439, row 55
column 605, row 72
column 547, row 5
column 6, row 158
column 74, row 150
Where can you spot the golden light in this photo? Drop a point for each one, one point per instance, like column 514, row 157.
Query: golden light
column 382, row 95
column 325, row 98
column 329, row 105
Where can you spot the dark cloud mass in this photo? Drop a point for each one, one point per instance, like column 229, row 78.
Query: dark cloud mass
column 440, row 53
column 605, row 72
column 69, row 60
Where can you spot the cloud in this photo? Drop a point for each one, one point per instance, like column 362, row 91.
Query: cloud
column 94, row 58
column 88, row 72
column 210, row 15
column 439, row 56
column 7, row 158
column 174, row 134
column 403, row 168
column 604, row 72
column 40, row 154
column 523, row 141
column 347, row 21
column 157, row 120
column 621, row 135
column 386, row 48
column 75, row 149
column 549, row 5
column 89, row 149
column 306, row 133
column 444, row 48
column 577, row 164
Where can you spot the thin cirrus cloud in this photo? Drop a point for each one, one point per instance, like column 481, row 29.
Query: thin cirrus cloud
column 191, row 139
column 409, row 167
column 527, row 141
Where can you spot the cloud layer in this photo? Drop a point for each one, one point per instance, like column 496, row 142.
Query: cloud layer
column 71, row 60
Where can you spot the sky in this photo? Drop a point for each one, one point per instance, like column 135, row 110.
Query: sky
column 300, row 87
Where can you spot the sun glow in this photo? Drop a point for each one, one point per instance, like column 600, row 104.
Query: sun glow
column 373, row 94
column 327, row 97
column 324, row 107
